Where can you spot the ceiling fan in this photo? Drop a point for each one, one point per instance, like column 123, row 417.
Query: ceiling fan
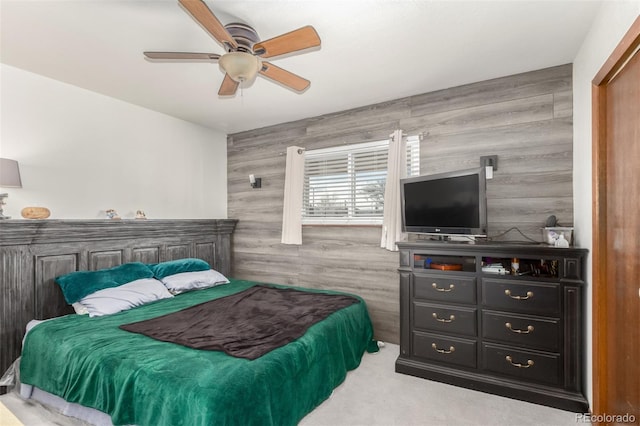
column 245, row 52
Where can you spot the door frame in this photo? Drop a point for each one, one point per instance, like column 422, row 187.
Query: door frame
column 621, row 54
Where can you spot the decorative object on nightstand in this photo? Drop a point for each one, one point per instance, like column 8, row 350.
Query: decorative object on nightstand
column 140, row 215
column 9, row 178
column 35, row 213
column 112, row 214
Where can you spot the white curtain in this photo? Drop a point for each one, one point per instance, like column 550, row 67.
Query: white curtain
column 293, row 187
column 396, row 170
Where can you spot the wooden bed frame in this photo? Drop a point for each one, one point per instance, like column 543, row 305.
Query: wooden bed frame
column 34, row 252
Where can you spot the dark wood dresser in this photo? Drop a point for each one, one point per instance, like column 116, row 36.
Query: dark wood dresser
column 468, row 320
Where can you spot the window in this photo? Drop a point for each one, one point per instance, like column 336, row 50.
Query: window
column 345, row 185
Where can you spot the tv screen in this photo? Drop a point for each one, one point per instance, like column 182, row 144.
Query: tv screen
column 447, row 203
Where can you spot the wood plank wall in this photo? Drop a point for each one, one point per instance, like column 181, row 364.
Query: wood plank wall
column 525, row 119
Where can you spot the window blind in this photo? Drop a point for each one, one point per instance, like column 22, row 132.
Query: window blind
column 346, row 184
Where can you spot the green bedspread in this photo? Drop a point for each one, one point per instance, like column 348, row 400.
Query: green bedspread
column 142, row 381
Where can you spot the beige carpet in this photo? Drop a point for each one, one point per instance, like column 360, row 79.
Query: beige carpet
column 374, row 395
column 7, row 418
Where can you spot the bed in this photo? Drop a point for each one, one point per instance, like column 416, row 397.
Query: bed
column 92, row 362
column 138, row 380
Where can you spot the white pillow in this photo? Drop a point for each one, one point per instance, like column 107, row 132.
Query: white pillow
column 80, row 308
column 185, row 281
column 116, row 299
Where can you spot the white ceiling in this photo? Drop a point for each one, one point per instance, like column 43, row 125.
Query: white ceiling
column 372, row 51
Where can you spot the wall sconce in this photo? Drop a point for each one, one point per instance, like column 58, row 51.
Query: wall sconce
column 255, row 182
column 9, row 178
column 490, row 164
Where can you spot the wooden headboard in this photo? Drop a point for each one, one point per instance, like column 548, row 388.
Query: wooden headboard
column 34, row 252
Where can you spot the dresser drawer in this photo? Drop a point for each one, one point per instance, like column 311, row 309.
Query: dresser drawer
column 445, row 288
column 445, row 349
column 443, row 318
column 526, row 365
column 521, row 296
column 537, row 333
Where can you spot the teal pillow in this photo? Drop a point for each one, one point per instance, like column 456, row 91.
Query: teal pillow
column 77, row 285
column 172, row 267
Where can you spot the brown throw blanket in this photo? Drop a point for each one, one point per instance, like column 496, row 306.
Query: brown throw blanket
column 247, row 324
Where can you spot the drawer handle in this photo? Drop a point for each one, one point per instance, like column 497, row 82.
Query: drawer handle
column 435, row 286
column 451, row 318
column 528, row 296
column 515, row 364
column 443, row 351
column 515, row 330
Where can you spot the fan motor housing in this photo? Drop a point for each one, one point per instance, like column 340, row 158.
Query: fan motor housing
column 244, row 35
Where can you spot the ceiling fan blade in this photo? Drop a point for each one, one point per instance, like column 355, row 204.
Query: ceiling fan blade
column 228, row 87
column 201, row 13
column 302, row 38
column 183, row 56
column 284, row 77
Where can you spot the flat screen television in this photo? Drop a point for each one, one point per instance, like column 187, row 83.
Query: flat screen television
column 453, row 203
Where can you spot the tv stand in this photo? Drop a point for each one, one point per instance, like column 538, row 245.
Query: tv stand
column 479, row 325
column 463, row 239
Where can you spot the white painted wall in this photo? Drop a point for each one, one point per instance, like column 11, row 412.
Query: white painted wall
column 611, row 23
column 81, row 153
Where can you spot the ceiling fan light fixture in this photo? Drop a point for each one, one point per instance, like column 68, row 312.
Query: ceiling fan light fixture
column 246, row 55
column 240, row 66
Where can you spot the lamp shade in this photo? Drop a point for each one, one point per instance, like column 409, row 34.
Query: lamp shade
column 9, row 173
column 240, row 66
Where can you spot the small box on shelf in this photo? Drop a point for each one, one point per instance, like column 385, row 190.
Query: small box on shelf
column 551, row 234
